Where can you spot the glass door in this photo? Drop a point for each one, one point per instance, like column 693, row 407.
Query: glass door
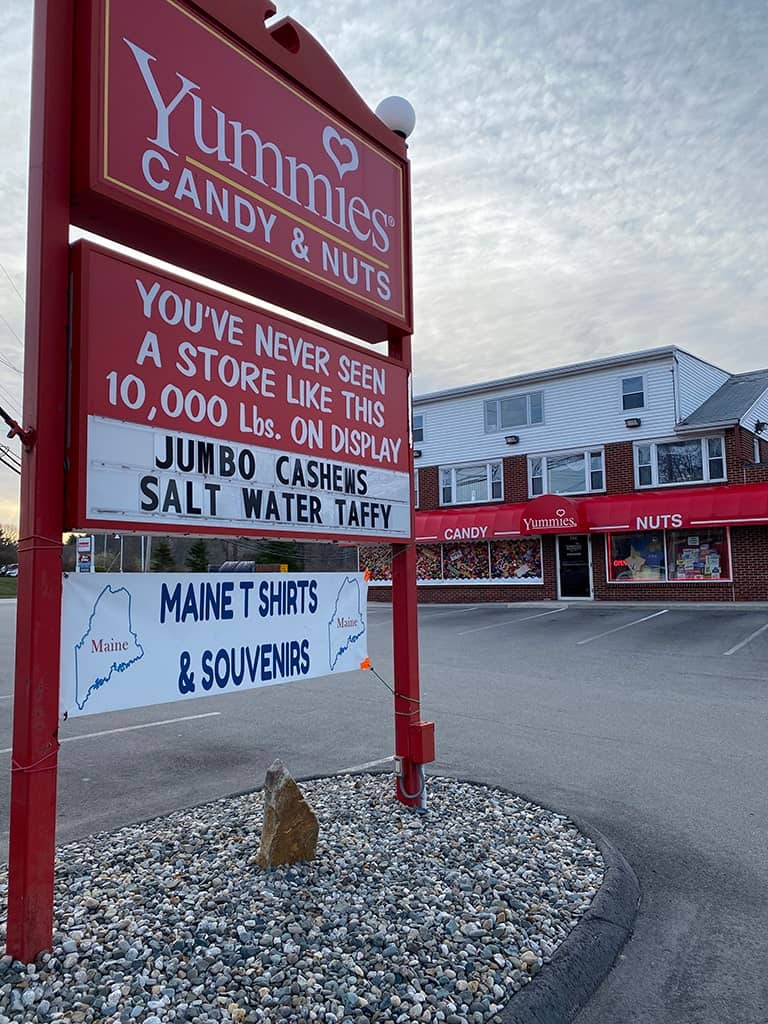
column 574, row 564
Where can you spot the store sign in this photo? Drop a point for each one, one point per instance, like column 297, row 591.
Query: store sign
column 133, row 640
column 201, row 134
column 85, row 561
column 551, row 513
column 465, row 533
column 666, row 521
column 193, row 412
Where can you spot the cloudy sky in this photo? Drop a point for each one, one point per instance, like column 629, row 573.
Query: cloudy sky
column 589, row 176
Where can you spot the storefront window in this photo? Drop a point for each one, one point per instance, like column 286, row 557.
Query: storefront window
column 675, row 556
column 378, row 561
column 516, row 559
column 465, row 562
column 699, row 555
column 502, row 561
column 429, row 562
column 637, row 557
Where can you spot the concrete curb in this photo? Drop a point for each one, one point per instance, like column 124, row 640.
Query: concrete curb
column 583, row 961
column 585, row 958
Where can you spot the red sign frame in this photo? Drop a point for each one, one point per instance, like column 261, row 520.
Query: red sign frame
column 324, row 403
column 321, row 225
column 60, row 195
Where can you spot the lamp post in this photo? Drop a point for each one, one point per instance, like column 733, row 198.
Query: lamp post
column 398, row 115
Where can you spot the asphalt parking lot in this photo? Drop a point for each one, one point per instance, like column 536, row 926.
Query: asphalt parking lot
column 649, row 722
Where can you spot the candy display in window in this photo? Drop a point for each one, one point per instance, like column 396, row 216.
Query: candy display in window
column 429, row 562
column 378, row 561
column 465, row 561
column 516, row 559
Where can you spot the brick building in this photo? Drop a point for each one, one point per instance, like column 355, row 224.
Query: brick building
column 635, row 477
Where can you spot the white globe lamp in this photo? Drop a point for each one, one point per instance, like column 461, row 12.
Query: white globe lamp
column 397, row 114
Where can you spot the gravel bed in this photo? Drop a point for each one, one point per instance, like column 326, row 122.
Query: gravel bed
column 401, row 917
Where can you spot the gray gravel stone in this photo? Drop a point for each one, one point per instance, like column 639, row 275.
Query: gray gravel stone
column 401, row 917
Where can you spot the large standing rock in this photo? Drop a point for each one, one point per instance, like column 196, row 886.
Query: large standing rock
column 290, row 825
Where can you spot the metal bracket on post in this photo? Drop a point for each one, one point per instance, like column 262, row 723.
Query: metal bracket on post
column 27, row 437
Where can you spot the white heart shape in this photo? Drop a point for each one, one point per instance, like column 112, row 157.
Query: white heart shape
column 560, row 512
column 330, row 138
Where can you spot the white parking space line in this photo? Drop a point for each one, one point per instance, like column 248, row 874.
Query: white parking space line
column 749, row 639
column 368, row 764
column 511, row 622
column 635, row 622
column 130, row 728
column 441, row 615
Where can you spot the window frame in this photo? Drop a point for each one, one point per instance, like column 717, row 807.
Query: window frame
column 497, row 402
column 637, row 408
column 415, row 488
column 586, row 454
column 666, row 581
column 703, row 440
column 418, row 440
column 471, row 465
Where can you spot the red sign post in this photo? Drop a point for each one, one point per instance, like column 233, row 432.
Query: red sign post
column 195, row 133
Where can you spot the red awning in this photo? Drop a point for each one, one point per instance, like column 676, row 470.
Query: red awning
column 552, row 513
column 674, row 508
column 726, row 505
column 484, row 523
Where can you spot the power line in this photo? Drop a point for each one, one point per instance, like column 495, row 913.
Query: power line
column 2, row 357
column 13, row 283
column 12, row 401
column 9, row 464
column 9, row 453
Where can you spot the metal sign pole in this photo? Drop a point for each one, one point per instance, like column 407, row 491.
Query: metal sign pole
column 36, row 692
column 405, row 635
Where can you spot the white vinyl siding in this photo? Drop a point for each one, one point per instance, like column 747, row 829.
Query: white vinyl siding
column 581, row 411
column 757, row 412
column 466, row 485
column 696, row 382
column 679, row 461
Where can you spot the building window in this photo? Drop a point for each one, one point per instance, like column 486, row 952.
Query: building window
column 429, row 561
column 699, row 555
column 461, row 485
column 513, row 411
column 512, row 562
column 418, row 427
column 672, row 556
column 570, row 473
column 637, row 558
column 415, row 488
column 632, row 393
column 660, row 464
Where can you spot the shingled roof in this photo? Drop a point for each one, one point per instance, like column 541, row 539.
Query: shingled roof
column 731, row 400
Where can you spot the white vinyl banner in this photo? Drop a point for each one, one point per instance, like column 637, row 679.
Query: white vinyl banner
column 131, row 640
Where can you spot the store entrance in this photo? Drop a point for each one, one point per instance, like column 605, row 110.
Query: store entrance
column 574, row 565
